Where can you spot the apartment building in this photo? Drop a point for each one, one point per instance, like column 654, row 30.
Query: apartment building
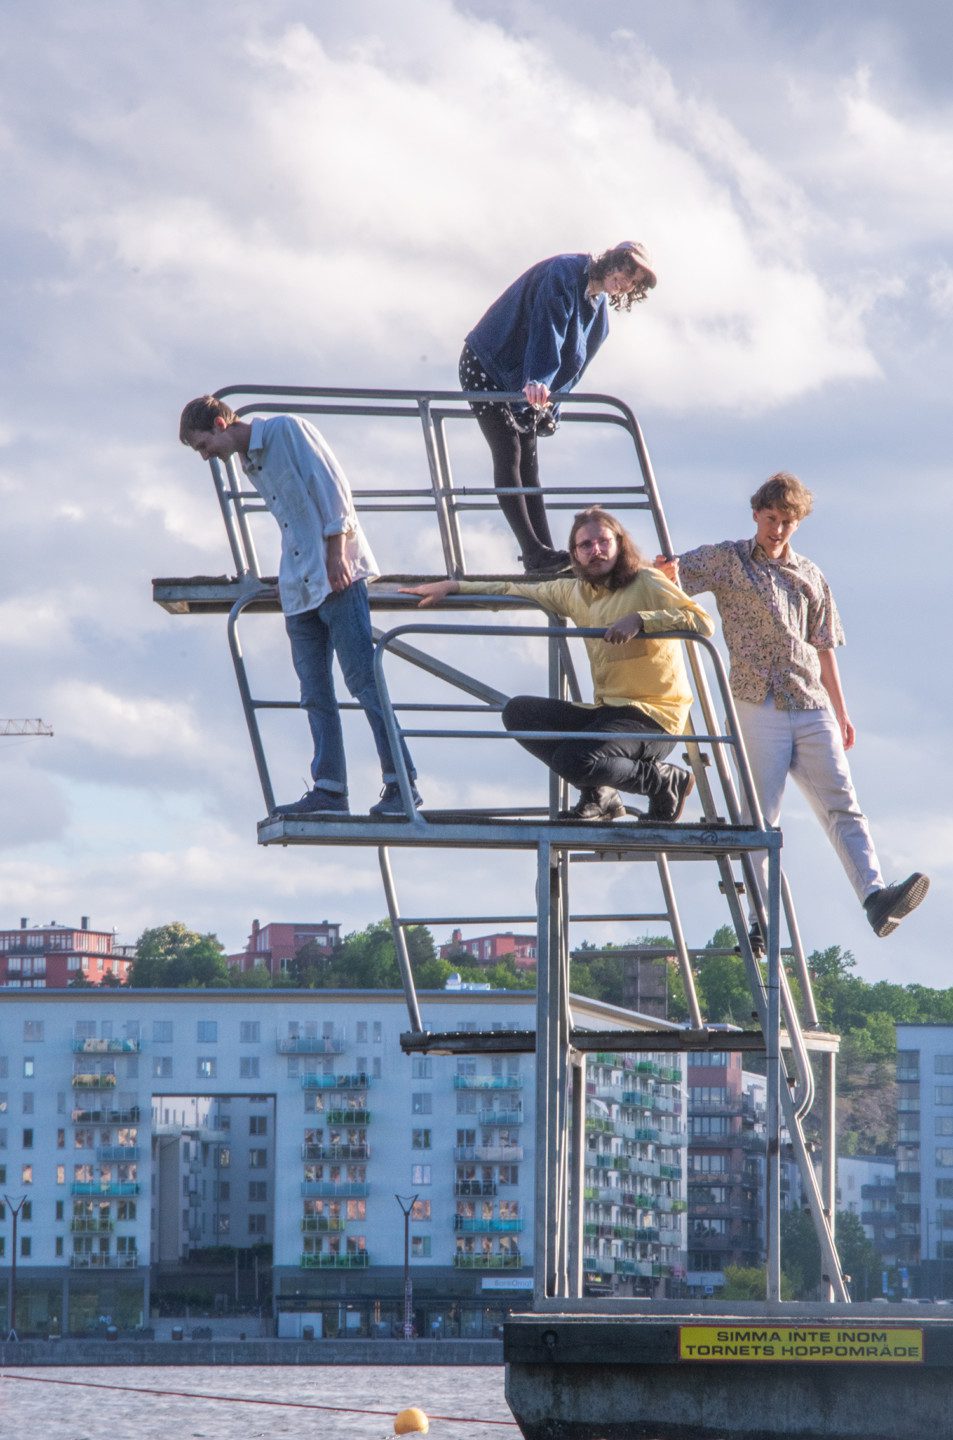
column 925, row 1159
column 275, row 945
column 50, row 957
column 141, row 1126
column 488, row 949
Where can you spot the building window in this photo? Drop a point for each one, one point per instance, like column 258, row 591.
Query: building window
column 248, row 1067
column 32, row 1030
column 26, row 1175
column 420, row 1175
column 162, row 1032
column 249, row 1032
column 162, row 1067
column 58, row 1246
column 421, row 1067
column 257, row 1224
column 222, row 1223
column 27, row 1102
column 258, row 1190
column 421, row 1102
column 420, row 1247
column 26, row 1246
column 207, row 1032
column 258, row 1124
column 206, row 1067
column 257, row 1159
column 361, row 1037
column 420, row 1210
column 223, row 1158
column 943, row 1094
column 29, row 1067
column 420, row 1139
column 377, row 1032
column 27, row 1142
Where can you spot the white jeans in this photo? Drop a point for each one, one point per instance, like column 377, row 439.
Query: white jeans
column 808, row 745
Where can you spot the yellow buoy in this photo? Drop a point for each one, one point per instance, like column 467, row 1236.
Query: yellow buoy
column 411, row 1422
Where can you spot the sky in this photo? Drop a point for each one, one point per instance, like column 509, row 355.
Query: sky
column 201, row 194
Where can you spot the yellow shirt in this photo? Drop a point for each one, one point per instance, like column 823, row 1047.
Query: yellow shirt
column 644, row 672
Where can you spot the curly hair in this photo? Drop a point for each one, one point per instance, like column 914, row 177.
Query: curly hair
column 201, row 414
column 621, row 257
column 784, row 491
column 629, row 560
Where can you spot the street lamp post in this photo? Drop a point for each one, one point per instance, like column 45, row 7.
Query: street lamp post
column 15, row 1212
column 407, row 1204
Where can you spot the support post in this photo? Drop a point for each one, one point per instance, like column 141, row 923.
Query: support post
column 15, row 1212
column 772, row 1187
column 407, row 1204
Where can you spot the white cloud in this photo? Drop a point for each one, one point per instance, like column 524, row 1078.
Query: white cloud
column 126, row 727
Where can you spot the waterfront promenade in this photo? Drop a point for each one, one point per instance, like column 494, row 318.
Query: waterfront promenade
column 173, row 1403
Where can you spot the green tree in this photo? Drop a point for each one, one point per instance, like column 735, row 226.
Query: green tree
column 367, row 960
column 172, row 956
column 859, row 1259
column 723, row 986
column 800, row 1253
column 749, row 1282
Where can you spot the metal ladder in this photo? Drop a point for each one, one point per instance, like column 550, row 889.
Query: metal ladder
column 728, row 835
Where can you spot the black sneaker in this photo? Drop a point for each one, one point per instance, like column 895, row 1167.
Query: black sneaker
column 316, row 802
column 602, row 803
column 391, row 805
column 548, row 562
column 756, row 941
column 669, row 802
column 887, row 907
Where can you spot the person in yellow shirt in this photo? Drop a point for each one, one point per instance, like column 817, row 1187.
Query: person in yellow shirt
column 640, row 686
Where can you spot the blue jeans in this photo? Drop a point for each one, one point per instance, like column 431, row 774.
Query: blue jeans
column 341, row 626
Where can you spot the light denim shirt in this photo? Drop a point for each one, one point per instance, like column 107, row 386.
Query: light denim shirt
column 297, row 476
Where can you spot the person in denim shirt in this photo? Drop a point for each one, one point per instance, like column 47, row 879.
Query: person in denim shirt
column 322, row 584
column 538, row 337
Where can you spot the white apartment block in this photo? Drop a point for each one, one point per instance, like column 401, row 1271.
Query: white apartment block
column 140, row 1126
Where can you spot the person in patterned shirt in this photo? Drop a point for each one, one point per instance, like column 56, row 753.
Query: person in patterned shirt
column 781, row 628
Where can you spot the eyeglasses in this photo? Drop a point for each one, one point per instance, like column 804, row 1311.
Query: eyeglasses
column 585, row 547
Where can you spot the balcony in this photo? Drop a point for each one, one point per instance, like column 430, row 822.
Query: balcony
column 471, row 1225
column 318, row 1225
column 311, row 1045
column 87, row 1080
column 335, row 1152
column 500, row 1261
column 336, row 1262
column 475, row 1187
column 359, row 1081
column 334, row 1189
column 487, row 1082
column 89, row 1226
column 500, row 1117
column 107, row 1047
column 128, row 1116
column 104, row 1187
column 346, row 1117
column 103, row 1262
column 488, row 1153
column 117, row 1152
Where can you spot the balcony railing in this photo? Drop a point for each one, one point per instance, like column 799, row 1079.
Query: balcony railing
column 107, row 1047
column 117, row 1152
column 128, row 1116
column 474, row 1187
column 89, row 1081
column 500, row 1117
column 488, row 1153
column 318, row 1225
column 92, row 1227
column 334, row 1189
column 347, row 1117
column 104, row 1262
column 487, row 1082
column 472, row 1225
column 358, row 1081
column 501, row 1261
column 336, row 1262
column 335, row 1152
column 311, row 1045
column 104, row 1187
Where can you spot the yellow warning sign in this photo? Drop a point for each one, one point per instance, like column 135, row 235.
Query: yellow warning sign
column 804, row 1343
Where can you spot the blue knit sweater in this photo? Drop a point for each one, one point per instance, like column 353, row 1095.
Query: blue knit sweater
column 543, row 327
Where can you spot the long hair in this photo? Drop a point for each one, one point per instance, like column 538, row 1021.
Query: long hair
column 629, row 561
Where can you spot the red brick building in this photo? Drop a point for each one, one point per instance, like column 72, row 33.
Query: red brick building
column 50, row 957
column 274, row 945
column 488, row 949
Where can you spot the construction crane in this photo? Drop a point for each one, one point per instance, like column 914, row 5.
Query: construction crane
column 25, row 727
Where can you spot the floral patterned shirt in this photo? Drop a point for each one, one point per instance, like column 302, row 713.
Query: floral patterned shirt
column 775, row 615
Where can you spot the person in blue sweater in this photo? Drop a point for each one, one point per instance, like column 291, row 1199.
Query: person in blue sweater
column 538, row 337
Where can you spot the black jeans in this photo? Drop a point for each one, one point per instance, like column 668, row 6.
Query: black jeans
column 515, row 466
column 626, row 764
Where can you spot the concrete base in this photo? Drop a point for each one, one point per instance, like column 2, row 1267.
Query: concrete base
column 250, row 1352
column 794, row 1373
